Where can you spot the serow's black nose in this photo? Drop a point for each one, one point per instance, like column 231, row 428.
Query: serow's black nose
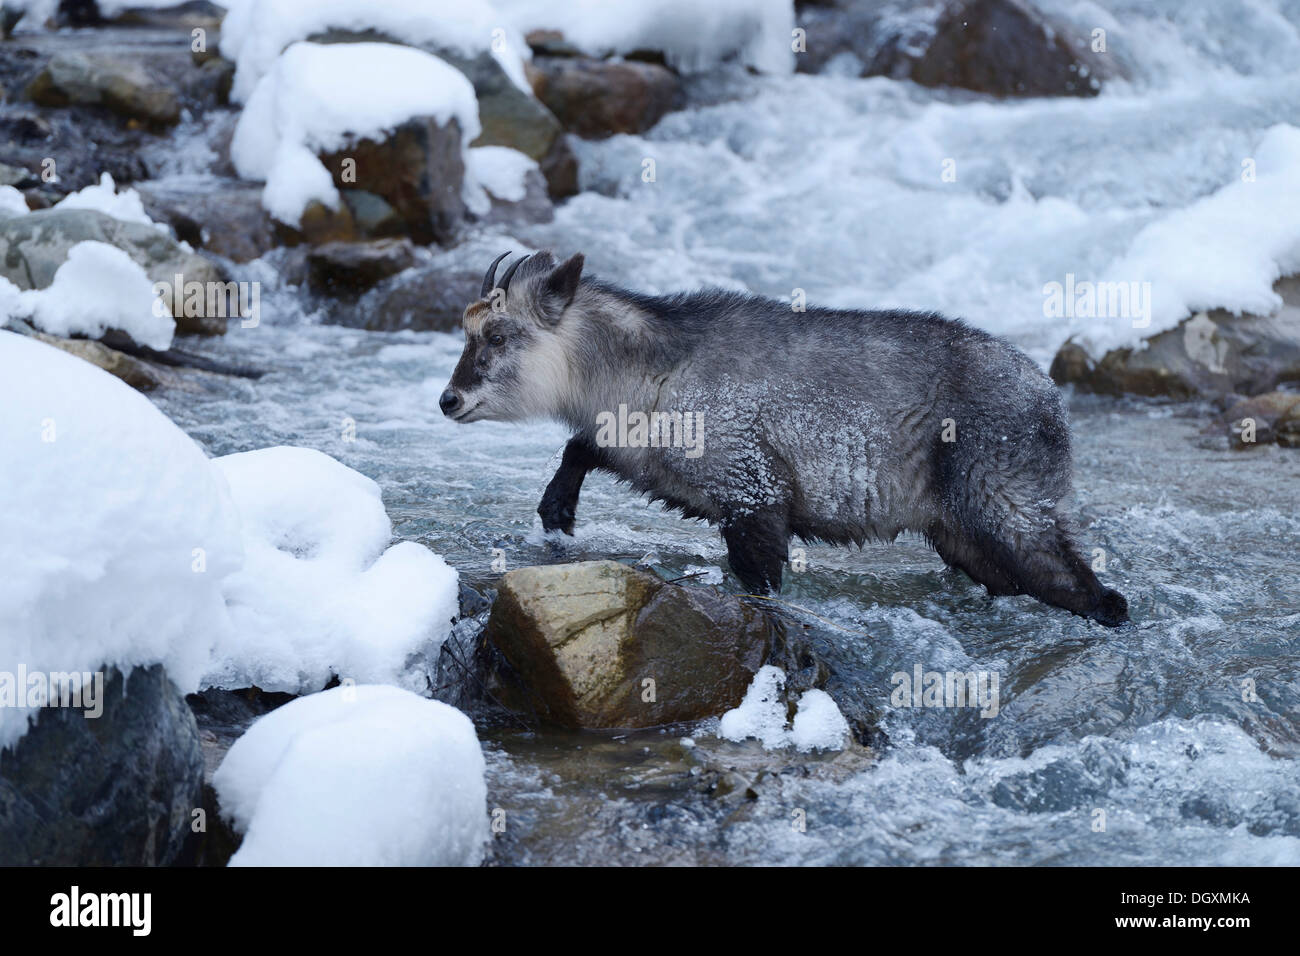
column 449, row 402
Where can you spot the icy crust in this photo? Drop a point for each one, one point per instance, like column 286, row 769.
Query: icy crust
column 321, row 593
column 118, row 531
column 357, row 776
column 255, row 32
column 817, row 725
column 318, row 96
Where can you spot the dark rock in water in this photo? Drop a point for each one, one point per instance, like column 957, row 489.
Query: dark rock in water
column 1007, row 48
column 18, row 177
column 118, row 104
column 426, row 298
column 601, row 645
column 417, row 170
column 122, row 85
column 1262, row 420
column 1209, row 355
column 373, row 216
column 226, row 219
column 319, row 224
column 596, row 98
column 350, row 267
column 119, row 790
column 560, row 167
column 181, row 16
column 32, row 248
column 1000, row 47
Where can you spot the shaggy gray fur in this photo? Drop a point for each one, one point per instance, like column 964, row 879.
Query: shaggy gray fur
column 826, row 424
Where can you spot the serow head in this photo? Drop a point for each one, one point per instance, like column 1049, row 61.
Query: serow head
column 515, row 364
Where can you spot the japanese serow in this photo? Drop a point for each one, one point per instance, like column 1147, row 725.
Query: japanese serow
column 830, row 425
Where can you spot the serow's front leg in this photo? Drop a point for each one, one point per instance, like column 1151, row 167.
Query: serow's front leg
column 757, row 546
column 560, row 500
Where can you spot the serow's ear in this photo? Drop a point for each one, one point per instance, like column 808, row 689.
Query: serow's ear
column 560, row 287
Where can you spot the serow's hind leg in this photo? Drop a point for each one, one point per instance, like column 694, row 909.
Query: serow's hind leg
column 1049, row 567
column 757, row 546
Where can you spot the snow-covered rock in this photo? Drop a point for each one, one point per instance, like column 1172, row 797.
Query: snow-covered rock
column 99, row 287
column 255, row 32
column 116, row 530
column 317, row 99
column 357, row 776
column 321, row 593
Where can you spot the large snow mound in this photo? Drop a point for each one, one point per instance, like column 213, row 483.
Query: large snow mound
column 357, row 776
column 693, row 36
column 316, row 96
column 321, row 593
column 255, row 32
column 1224, row 251
column 116, row 530
column 97, row 288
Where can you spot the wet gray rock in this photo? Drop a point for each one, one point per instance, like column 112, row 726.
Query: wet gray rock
column 118, row 790
column 1208, row 355
column 582, row 640
column 120, row 84
column 426, row 298
column 1263, row 420
column 116, row 106
column 32, row 248
column 597, row 98
column 1008, row 48
column 226, row 219
column 999, row 47
column 349, row 267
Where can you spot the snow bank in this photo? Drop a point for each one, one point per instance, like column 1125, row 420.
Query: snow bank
column 115, row 533
column 1224, row 251
column 357, row 776
column 98, row 287
column 105, row 198
column 501, row 171
column 692, row 35
column 12, row 203
column 254, row 32
column 316, row 96
column 318, row 594
column 818, row 723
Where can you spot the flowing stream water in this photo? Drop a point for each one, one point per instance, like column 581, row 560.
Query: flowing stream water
column 1179, row 735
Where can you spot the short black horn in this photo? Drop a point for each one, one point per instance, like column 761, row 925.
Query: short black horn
column 489, row 277
column 505, row 279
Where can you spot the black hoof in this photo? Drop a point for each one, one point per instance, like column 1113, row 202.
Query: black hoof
column 556, row 517
column 1111, row 610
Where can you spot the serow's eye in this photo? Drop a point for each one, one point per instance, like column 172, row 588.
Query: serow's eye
column 497, row 340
